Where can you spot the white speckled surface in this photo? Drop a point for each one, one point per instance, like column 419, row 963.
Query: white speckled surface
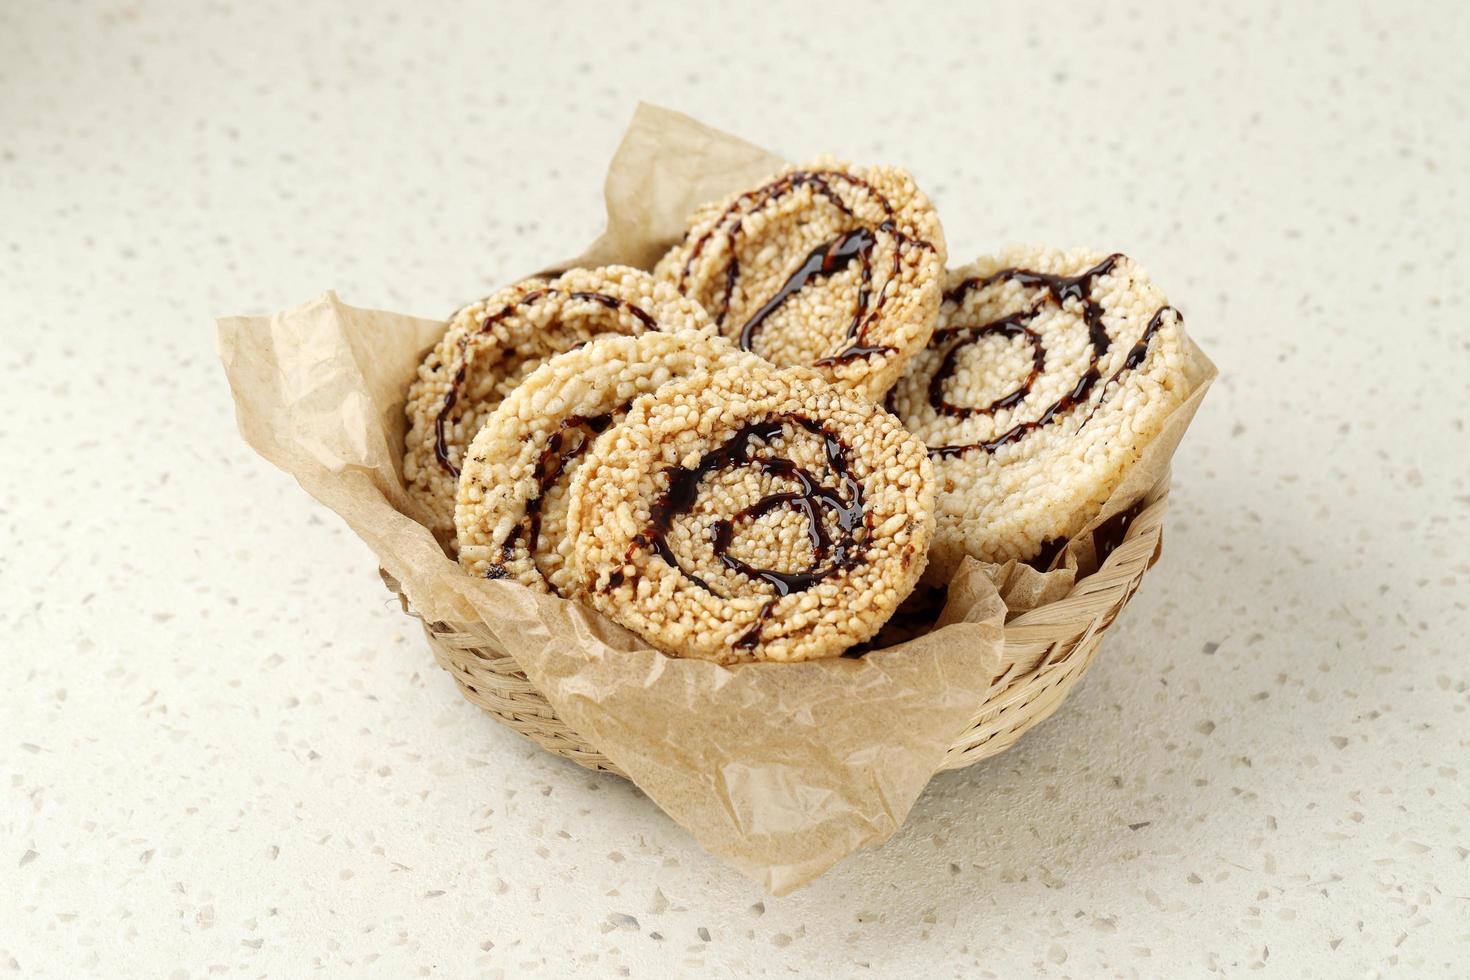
column 224, row 751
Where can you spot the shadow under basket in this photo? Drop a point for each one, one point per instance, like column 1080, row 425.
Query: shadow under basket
column 1047, row 650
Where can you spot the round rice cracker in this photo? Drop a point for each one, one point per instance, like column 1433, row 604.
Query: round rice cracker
column 826, row 265
column 752, row 515
column 490, row 346
column 511, row 513
column 1048, row 374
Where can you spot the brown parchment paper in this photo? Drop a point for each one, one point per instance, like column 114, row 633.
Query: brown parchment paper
column 778, row 769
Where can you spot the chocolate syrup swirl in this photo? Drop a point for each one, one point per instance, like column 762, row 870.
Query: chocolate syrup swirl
column 751, row 638
column 1011, row 326
column 810, row 500
column 729, row 222
column 831, row 553
column 1140, row 350
column 825, row 260
column 857, row 347
column 451, row 399
column 1060, row 289
column 571, row 439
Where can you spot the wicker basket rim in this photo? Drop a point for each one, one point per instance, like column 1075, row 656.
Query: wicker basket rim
column 1047, row 649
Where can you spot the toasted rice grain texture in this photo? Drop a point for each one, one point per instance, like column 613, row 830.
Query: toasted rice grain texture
column 630, row 469
column 1042, row 487
column 517, row 470
column 770, row 231
column 500, row 340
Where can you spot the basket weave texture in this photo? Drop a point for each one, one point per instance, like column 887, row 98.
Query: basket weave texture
column 1047, row 650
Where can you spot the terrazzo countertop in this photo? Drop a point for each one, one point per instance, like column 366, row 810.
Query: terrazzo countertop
column 224, row 750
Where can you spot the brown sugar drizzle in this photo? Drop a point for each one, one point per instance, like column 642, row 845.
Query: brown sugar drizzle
column 441, row 441
column 1060, row 289
column 831, row 553
column 825, row 260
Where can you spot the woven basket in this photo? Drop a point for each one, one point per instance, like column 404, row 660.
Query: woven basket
column 1047, row 650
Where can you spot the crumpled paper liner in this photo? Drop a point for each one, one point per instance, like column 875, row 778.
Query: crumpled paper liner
column 779, row 769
